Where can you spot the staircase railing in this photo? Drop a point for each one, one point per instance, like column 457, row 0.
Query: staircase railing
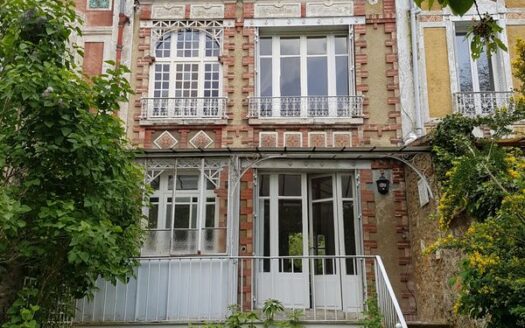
column 387, row 301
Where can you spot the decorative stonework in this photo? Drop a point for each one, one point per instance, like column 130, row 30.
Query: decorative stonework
column 293, row 139
column 277, row 9
column 165, row 141
column 167, row 11
column 330, row 8
column 316, row 139
column 342, row 139
column 268, row 139
column 207, row 10
column 201, row 140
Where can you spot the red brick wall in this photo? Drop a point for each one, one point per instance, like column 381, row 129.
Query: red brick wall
column 93, row 58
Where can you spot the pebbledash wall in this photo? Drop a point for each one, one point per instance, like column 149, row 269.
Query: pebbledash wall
column 385, row 217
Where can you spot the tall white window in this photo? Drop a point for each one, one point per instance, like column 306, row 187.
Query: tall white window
column 481, row 82
column 309, row 75
column 186, row 75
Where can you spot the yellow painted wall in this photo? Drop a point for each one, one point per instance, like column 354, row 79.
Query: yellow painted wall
column 437, row 70
column 515, row 32
column 515, row 3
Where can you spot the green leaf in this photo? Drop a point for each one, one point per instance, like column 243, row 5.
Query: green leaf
column 460, row 7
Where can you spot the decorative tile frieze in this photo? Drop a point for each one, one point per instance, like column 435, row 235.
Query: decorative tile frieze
column 293, row 139
column 316, row 139
column 165, row 141
column 277, row 9
column 207, row 11
column 330, row 8
column 342, row 139
column 268, row 139
column 167, row 11
column 201, row 140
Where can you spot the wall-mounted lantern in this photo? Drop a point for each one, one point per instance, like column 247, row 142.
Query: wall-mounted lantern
column 383, row 184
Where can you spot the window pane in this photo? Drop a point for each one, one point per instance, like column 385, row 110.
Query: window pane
column 266, row 77
column 264, row 185
column 163, row 49
column 153, row 213
column 265, row 233
column 155, row 183
column 167, row 223
column 185, row 242
column 289, row 185
column 182, row 216
column 485, row 76
column 289, row 46
column 316, row 46
column 341, row 45
column 290, row 76
column 463, row 63
column 210, row 216
column 349, row 229
column 323, row 236
column 317, row 76
column 265, row 46
column 187, row 182
column 346, row 186
column 322, row 188
column 188, row 43
column 341, row 72
column 290, row 234
column 212, row 47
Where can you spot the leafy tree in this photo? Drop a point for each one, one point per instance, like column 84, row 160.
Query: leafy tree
column 484, row 181
column 70, row 192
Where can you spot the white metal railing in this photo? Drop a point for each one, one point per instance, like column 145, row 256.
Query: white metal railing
column 481, row 103
column 190, row 289
column 306, row 107
column 189, row 108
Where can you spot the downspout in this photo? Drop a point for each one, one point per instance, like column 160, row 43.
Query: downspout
column 415, row 69
column 122, row 21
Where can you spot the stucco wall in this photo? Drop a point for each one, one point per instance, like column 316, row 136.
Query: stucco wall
column 437, row 71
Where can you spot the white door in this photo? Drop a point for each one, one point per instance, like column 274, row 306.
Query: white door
column 282, row 224
column 334, row 234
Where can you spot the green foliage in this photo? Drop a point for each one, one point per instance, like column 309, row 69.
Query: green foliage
column 485, row 182
column 271, row 308
column 71, row 194
column 373, row 317
column 483, row 32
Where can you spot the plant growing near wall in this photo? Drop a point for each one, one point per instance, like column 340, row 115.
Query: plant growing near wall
column 373, row 317
column 484, row 182
column 70, row 192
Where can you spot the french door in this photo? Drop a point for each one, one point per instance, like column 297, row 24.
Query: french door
column 308, row 216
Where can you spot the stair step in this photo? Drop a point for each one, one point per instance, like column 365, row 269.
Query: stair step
column 420, row 324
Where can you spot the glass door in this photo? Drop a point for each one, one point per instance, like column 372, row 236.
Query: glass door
column 333, row 234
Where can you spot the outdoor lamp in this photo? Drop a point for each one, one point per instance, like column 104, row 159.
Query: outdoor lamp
column 383, row 184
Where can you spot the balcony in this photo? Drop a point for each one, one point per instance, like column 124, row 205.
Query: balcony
column 183, row 110
column 481, row 103
column 308, row 110
column 183, row 290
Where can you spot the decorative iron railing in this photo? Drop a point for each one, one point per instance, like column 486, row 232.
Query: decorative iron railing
column 306, row 107
column 183, row 108
column 481, row 103
column 196, row 289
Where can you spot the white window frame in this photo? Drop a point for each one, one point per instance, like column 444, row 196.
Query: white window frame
column 330, row 55
column 173, row 60
column 163, row 193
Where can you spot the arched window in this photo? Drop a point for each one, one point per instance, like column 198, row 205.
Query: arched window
column 187, row 75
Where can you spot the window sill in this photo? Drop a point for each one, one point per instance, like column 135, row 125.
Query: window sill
column 305, row 121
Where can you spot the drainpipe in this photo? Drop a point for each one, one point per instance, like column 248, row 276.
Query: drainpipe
column 415, row 69
column 122, row 21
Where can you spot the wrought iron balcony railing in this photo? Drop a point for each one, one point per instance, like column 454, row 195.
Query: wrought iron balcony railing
column 481, row 103
column 336, row 107
column 183, row 108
